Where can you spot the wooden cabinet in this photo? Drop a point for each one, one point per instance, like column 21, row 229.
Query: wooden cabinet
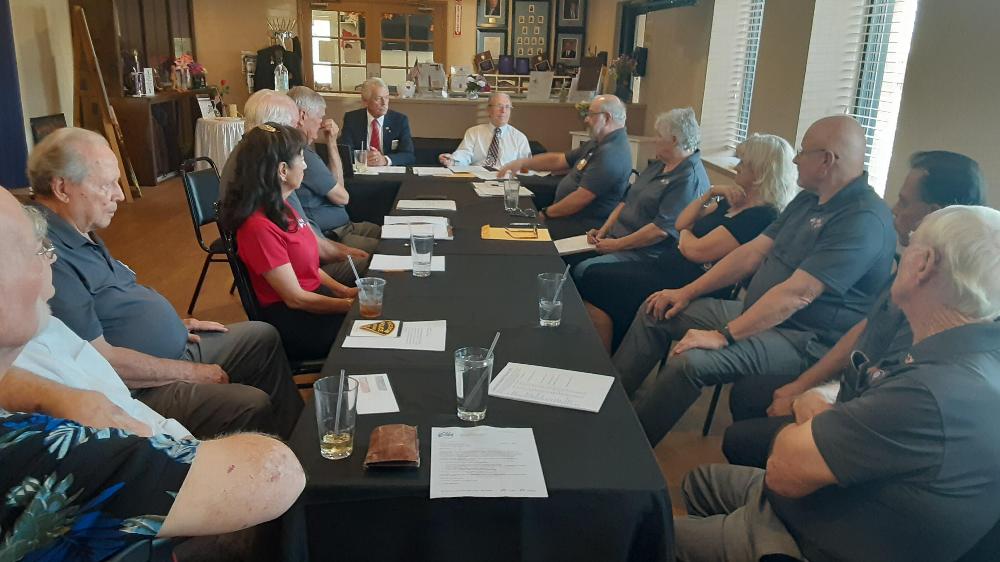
column 159, row 132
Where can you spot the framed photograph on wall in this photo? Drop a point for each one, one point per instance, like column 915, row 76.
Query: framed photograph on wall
column 530, row 38
column 572, row 13
column 493, row 41
column 569, row 48
column 492, row 14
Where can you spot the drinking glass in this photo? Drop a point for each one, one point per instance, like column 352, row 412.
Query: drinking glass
column 473, row 369
column 370, row 292
column 336, row 424
column 511, row 191
column 549, row 303
column 361, row 158
column 422, row 248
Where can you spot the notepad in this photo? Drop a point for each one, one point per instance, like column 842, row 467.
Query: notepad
column 426, row 205
column 553, row 387
column 573, row 245
column 402, row 232
column 384, row 262
column 414, row 336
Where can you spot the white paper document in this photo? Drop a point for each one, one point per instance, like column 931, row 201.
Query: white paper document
column 387, row 169
column 415, row 219
column 495, row 189
column 415, row 336
column 385, row 262
column 469, row 170
column 426, row 205
column 552, row 387
column 485, row 175
column 485, row 462
column 402, row 232
column 573, row 245
column 432, row 171
column 375, row 328
column 375, row 394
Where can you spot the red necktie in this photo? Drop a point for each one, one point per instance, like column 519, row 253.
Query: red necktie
column 376, row 141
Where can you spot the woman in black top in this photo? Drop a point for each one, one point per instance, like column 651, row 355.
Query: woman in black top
column 709, row 228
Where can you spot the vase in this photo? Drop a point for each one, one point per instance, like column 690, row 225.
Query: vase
column 472, row 95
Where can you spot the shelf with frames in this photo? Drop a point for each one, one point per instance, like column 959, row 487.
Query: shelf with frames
column 517, row 84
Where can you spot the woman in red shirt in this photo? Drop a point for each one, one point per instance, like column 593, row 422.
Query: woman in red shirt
column 298, row 298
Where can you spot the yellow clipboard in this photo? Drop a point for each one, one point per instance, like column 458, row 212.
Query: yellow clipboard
column 519, row 234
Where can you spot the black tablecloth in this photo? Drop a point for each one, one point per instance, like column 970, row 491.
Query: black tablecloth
column 607, row 499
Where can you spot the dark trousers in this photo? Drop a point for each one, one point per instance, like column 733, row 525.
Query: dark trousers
column 306, row 336
column 748, row 440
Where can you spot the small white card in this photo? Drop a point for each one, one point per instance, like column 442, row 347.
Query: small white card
column 426, row 205
column 375, row 394
column 402, row 232
column 375, row 329
column 415, row 219
column 552, row 387
column 387, row 169
column 385, row 262
column 495, row 189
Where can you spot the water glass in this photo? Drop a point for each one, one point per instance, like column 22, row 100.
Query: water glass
column 549, row 303
column 370, row 292
column 336, row 424
column 473, row 370
column 511, row 191
column 422, row 248
column 361, row 159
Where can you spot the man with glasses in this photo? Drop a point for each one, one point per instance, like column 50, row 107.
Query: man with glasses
column 816, row 271
column 491, row 145
column 597, row 172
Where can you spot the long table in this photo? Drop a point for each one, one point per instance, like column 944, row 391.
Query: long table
column 607, row 498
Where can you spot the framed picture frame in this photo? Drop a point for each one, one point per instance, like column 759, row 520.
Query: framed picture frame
column 571, row 13
column 484, row 63
column 493, row 41
column 42, row 126
column 569, row 48
column 492, row 14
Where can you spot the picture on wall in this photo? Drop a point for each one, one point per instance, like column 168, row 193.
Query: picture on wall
column 530, row 38
column 571, row 13
column 492, row 13
column 492, row 41
column 568, row 48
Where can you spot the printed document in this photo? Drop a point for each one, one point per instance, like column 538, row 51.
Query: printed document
column 426, row 205
column 485, row 462
column 402, row 232
column 415, row 336
column 552, row 387
column 385, row 262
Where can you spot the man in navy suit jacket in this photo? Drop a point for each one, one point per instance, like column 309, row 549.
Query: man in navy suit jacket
column 391, row 143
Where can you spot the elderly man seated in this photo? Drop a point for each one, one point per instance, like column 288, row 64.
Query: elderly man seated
column 180, row 368
column 816, row 272
column 79, row 481
column 491, row 145
column 323, row 194
column 909, row 468
column 598, row 172
column 383, row 132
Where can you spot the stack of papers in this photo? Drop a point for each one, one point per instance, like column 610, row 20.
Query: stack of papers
column 573, row 245
column 426, row 205
column 415, row 336
column 552, row 387
column 402, row 232
column 485, row 462
column 469, row 170
column 375, row 394
column 386, row 170
column 384, row 262
column 415, row 219
column 431, row 171
column 495, row 189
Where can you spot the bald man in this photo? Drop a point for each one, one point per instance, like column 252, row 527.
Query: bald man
column 816, row 271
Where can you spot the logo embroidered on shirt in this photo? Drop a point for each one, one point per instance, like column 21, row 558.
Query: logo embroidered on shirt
column 908, row 359
column 816, row 222
column 581, row 164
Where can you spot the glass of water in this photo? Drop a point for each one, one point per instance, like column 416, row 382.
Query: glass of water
column 549, row 303
column 511, row 191
column 336, row 423
column 473, row 370
column 361, row 158
column 422, row 248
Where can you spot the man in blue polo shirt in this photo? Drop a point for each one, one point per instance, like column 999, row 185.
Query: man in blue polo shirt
column 177, row 367
column 816, row 272
column 598, row 172
column 907, row 470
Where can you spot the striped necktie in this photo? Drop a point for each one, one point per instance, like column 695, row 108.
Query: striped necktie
column 493, row 154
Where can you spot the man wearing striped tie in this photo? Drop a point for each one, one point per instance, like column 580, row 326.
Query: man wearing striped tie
column 492, row 144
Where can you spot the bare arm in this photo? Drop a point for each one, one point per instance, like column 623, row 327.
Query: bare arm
column 796, row 468
column 645, row 236
column 549, row 161
column 140, row 370
column 711, row 247
column 284, row 282
column 337, row 287
column 735, row 267
column 777, row 305
column 603, row 231
column 695, row 210
column 571, row 204
column 235, row 482
column 338, row 195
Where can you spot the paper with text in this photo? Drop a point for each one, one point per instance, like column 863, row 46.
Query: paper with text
column 375, row 394
column 485, row 462
column 415, row 219
column 552, row 387
column 385, row 262
column 426, row 205
column 494, row 189
column 414, row 336
column 431, row 171
column 402, row 232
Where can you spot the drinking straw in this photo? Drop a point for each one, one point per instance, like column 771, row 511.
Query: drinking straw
column 357, row 278
column 340, row 392
column 565, row 276
column 493, row 346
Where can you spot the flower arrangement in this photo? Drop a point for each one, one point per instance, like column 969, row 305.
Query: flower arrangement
column 196, row 69
column 218, row 93
column 622, row 68
column 475, row 84
column 583, row 108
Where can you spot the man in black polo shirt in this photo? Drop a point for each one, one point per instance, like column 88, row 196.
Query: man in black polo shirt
column 909, row 469
column 936, row 180
column 598, row 172
column 178, row 368
column 816, row 271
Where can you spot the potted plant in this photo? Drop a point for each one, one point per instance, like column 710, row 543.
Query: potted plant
column 475, row 84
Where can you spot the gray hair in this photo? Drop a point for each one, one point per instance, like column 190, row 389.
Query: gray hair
column 498, row 94
column 680, row 123
column 967, row 239
column 613, row 106
column 39, row 224
column 59, row 156
column 371, row 84
column 269, row 106
column 308, row 100
column 769, row 158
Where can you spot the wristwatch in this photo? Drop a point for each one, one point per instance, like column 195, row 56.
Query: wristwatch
column 544, row 212
column 727, row 334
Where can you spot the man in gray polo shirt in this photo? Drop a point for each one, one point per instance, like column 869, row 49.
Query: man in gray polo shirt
column 598, row 172
column 177, row 367
column 816, row 271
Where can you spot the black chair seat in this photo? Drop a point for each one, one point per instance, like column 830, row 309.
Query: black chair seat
column 217, row 246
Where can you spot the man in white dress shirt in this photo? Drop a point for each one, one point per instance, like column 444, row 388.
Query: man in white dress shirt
column 492, row 144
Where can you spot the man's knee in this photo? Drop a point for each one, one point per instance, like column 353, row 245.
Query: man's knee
column 690, row 366
column 249, row 408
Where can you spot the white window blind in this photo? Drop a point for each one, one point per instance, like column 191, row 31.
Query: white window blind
column 855, row 66
column 732, row 63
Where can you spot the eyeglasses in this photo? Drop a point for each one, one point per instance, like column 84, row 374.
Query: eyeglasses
column 507, row 106
column 48, row 250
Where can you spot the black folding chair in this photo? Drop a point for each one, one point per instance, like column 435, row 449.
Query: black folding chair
column 202, row 190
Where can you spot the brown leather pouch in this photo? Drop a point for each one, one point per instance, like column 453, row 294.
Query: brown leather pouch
column 393, row 446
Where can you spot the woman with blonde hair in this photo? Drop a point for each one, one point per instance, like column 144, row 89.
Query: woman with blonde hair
column 710, row 227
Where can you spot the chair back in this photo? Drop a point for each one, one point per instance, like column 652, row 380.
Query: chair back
column 241, row 275
column 202, row 190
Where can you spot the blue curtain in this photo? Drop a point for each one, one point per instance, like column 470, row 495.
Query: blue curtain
column 13, row 150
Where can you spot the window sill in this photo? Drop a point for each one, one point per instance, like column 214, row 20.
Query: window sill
column 722, row 162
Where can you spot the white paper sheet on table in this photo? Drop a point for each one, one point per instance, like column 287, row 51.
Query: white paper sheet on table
column 485, row 462
column 573, row 245
column 492, row 189
column 552, row 387
column 386, row 169
column 386, row 262
column 415, row 336
column 415, row 219
column 402, row 232
column 485, row 175
column 470, row 170
column 375, row 394
column 432, row 171
column 426, row 205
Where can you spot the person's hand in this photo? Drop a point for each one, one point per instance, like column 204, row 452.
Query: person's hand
column 328, row 131
column 348, row 292
column 781, row 400
column 700, row 339
column 356, row 253
column 195, row 325
column 607, row 245
column 207, row 373
column 446, row 160
column 666, row 303
column 93, row 409
column 540, row 217
column 808, row 406
column 376, row 158
column 732, row 193
column 511, row 168
column 593, row 235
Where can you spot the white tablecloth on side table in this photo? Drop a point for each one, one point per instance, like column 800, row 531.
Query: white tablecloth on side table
column 216, row 137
